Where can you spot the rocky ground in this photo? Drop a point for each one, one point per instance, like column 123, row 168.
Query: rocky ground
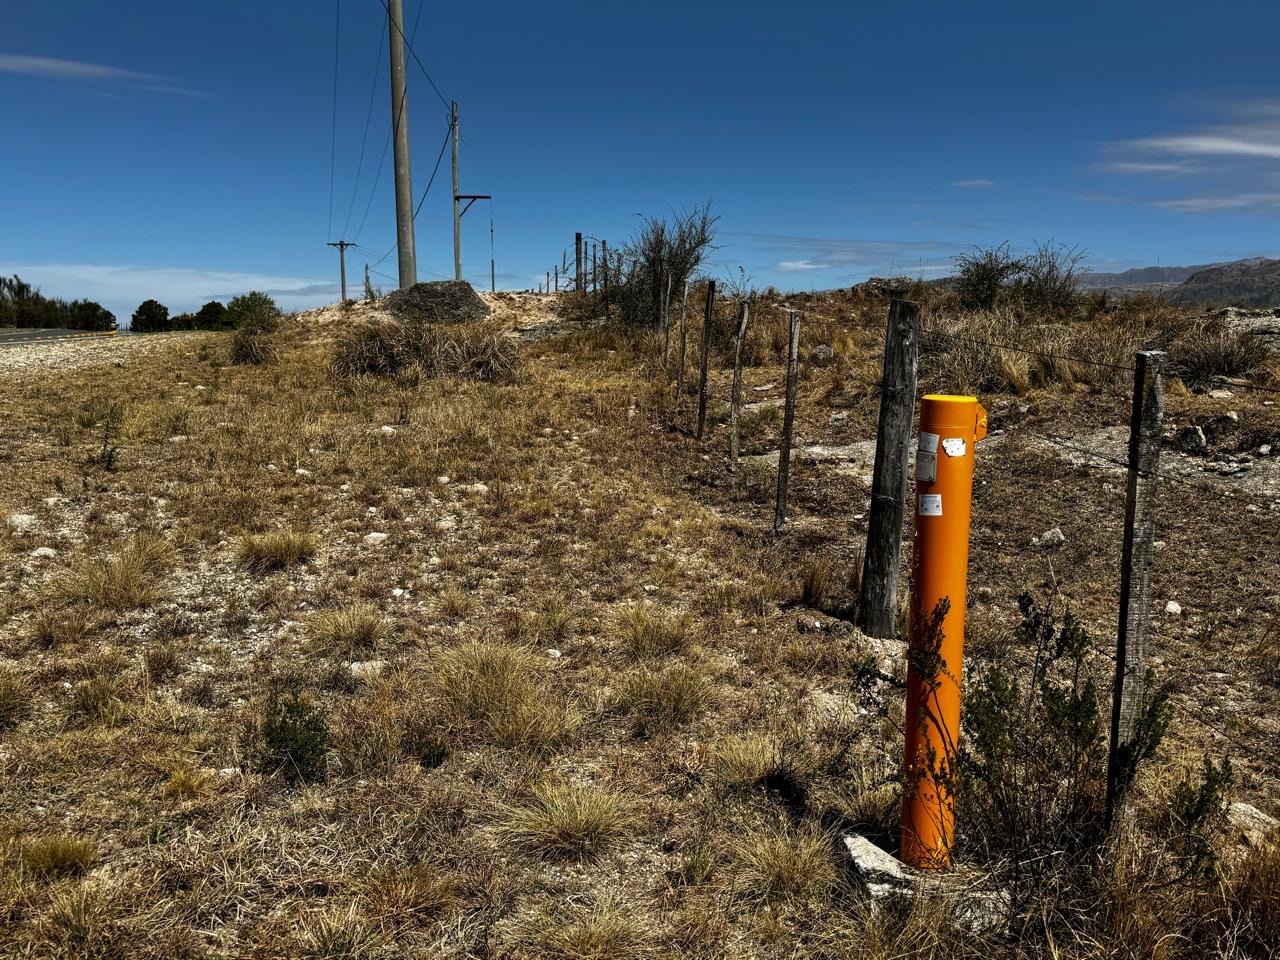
column 576, row 698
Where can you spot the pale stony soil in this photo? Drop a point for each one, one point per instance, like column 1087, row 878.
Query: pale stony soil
column 37, row 358
column 535, row 517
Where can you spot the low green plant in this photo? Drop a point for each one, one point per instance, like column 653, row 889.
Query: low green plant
column 290, row 736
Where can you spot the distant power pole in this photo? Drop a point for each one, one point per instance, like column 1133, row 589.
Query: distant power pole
column 577, row 262
column 457, row 214
column 493, row 264
column 342, row 264
column 400, row 131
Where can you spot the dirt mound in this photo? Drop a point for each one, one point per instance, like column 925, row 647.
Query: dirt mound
column 441, row 301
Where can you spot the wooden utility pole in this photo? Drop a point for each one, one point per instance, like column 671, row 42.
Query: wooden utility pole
column 706, row 350
column 547, row 288
column 878, row 604
column 457, row 213
column 1128, row 702
column 493, row 263
column 342, row 264
column 577, row 262
column 735, row 399
column 788, row 422
column 400, row 134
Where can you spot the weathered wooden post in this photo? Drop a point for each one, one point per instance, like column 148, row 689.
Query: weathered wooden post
column 788, row 422
column 666, row 323
column 735, row 400
column 878, row 604
column 706, row 350
column 1129, row 694
column 578, row 278
column 684, row 339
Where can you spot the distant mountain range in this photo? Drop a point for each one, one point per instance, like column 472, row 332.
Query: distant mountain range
column 1245, row 283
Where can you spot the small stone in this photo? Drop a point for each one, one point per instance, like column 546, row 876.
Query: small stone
column 375, row 539
column 388, row 431
column 479, row 488
column 179, row 438
column 554, row 654
column 446, row 523
column 1051, row 538
column 822, row 355
column 303, row 472
column 21, row 522
column 1173, row 608
column 1191, row 439
column 1221, row 394
column 1264, row 450
column 368, row 669
column 44, row 553
column 1251, row 822
column 840, row 416
column 442, row 479
column 397, row 592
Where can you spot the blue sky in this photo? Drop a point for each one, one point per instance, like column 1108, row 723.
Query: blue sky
column 183, row 151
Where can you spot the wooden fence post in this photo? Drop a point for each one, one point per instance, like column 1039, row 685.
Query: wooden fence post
column 788, row 422
column 1129, row 694
column 706, row 350
column 578, row 279
column 604, row 257
column 684, row 339
column 735, row 400
column 666, row 323
column 878, row 603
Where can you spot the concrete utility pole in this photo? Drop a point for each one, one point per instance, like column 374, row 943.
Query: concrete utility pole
column 342, row 264
column 457, row 214
column 400, row 131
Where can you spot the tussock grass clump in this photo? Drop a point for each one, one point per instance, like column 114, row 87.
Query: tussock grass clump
column 53, row 628
column 185, row 782
column 15, row 698
column 289, row 736
column 608, row 931
column 389, row 725
column 163, row 661
column 1254, row 894
column 277, row 550
column 98, row 699
column 648, row 632
column 569, row 819
column 357, row 628
column 385, row 348
column 337, row 933
column 57, row 855
column 408, row 894
column 494, row 688
column 784, row 864
column 657, row 702
column 1212, row 348
column 126, row 581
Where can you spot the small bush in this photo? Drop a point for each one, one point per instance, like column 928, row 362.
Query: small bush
column 124, row 582
column 358, row 628
column 565, row 819
column 659, row 702
column 290, row 737
column 277, row 550
column 15, row 698
column 384, row 348
column 254, row 309
column 58, row 855
column 983, row 274
column 648, row 632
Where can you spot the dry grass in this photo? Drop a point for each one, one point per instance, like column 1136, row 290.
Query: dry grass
column 126, row 581
column 607, row 931
column 347, row 631
column 785, row 865
column 57, row 855
column 15, row 698
column 277, row 550
column 658, row 702
column 647, row 631
column 569, row 819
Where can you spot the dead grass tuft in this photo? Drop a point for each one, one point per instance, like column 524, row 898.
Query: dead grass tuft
column 58, row 855
column 648, row 632
column 15, row 698
column 657, row 702
column 608, row 931
column 784, row 864
column 409, row 894
column 568, row 819
column 277, row 550
column 124, row 582
column 355, row 629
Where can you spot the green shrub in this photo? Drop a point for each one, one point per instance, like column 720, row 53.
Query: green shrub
column 253, row 309
column 290, row 737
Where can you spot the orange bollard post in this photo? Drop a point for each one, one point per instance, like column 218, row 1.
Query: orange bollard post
column 949, row 428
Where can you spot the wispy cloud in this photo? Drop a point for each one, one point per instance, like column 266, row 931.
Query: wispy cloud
column 121, row 287
column 1225, row 166
column 977, row 184
column 808, row 254
column 78, row 70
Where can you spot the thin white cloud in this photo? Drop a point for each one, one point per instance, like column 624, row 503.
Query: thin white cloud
column 799, row 266
column 1258, row 142
column 78, row 70
column 121, row 287
column 978, row 184
column 1211, row 203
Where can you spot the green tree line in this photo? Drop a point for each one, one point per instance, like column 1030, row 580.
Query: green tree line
column 22, row 305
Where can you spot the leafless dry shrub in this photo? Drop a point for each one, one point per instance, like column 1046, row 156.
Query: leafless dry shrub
column 661, row 256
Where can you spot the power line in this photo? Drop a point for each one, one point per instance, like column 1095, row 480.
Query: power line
column 423, row 198
column 416, row 58
column 333, row 135
column 368, row 119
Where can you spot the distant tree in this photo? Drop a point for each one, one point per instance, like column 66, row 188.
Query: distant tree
column 212, row 316
column 253, row 309
column 88, row 315
column 150, row 317
column 182, row 321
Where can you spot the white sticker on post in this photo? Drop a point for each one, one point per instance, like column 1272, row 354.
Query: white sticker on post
column 954, row 446
column 930, row 504
column 926, row 466
column 928, row 442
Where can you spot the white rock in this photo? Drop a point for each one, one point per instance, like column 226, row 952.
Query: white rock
column 375, row 539
column 179, row 438
column 1173, row 608
column 21, row 522
column 397, row 592
column 1252, row 822
column 554, row 654
column 1051, row 538
column 387, row 430
column 44, row 553
column 368, row 669
column 446, row 523
column 442, row 479
column 1221, row 394
column 303, row 472
column 479, row 488
column 1264, row 450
